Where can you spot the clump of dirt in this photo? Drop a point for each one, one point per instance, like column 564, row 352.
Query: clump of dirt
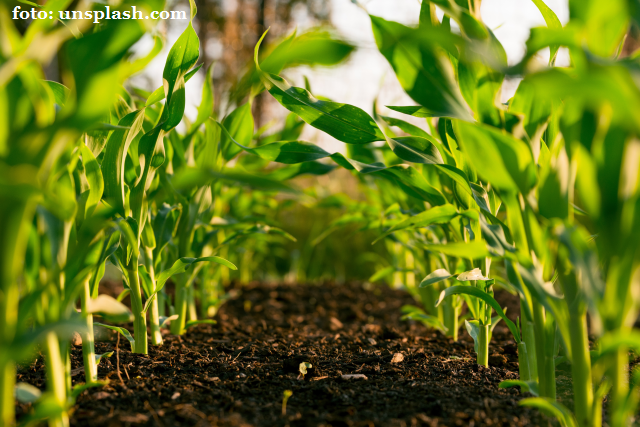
column 367, row 368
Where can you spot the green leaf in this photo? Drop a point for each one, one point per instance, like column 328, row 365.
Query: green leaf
column 113, row 164
column 290, row 152
column 60, row 92
column 344, row 122
column 416, row 149
column 437, row 215
column 415, row 313
column 183, row 55
column 415, row 111
column 473, row 329
column 552, row 408
column 124, row 332
column 193, row 177
column 475, row 249
column 110, row 309
column 422, row 66
column 434, row 277
column 163, row 321
column 192, row 323
column 159, row 95
column 406, row 127
column 488, row 299
column 99, row 357
column 180, row 266
column 552, row 21
column 525, row 386
column 504, row 161
column 95, row 179
column 80, row 388
column 380, row 274
column 26, row 393
column 239, row 130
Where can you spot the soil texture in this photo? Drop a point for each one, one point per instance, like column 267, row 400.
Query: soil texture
column 368, row 368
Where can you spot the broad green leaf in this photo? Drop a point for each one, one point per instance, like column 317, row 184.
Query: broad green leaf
column 182, row 264
column 437, row 215
column 473, row 329
column 434, row 277
column 110, row 309
column 113, row 164
column 165, row 320
column 158, row 94
column 95, row 179
column 183, row 55
column 239, row 126
column 552, row 21
column 552, row 408
column 290, row 152
column 205, row 110
column 380, row 274
column 475, row 249
column 504, row 161
column 344, row 122
column 406, row 127
column 416, row 149
column 93, row 59
column 488, row 299
column 60, row 92
column 193, row 177
column 410, row 110
column 422, row 67
column 192, row 323
column 26, row 393
column 124, row 332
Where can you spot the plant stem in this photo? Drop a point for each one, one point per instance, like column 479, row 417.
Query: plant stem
column 523, row 362
column 538, row 321
column 56, row 379
column 154, row 312
column 581, row 371
column 483, row 346
column 178, row 325
column 617, row 371
column 88, row 346
column 451, row 314
column 139, row 319
column 7, row 386
column 529, row 338
column 549, row 356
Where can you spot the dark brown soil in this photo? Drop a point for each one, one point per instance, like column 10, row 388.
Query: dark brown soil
column 235, row 373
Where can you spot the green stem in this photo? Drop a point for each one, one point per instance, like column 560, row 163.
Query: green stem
column 154, row 312
column 88, row 346
column 529, row 338
column 178, row 325
column 192, row 314
column 483, row 345
column 56, row 383
column 581, row 371
column 451, row 315
column 538, row 322
column 523, row 362
column 7, row 386
column 139, row 319
column 549, row 356
column 617, row 371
